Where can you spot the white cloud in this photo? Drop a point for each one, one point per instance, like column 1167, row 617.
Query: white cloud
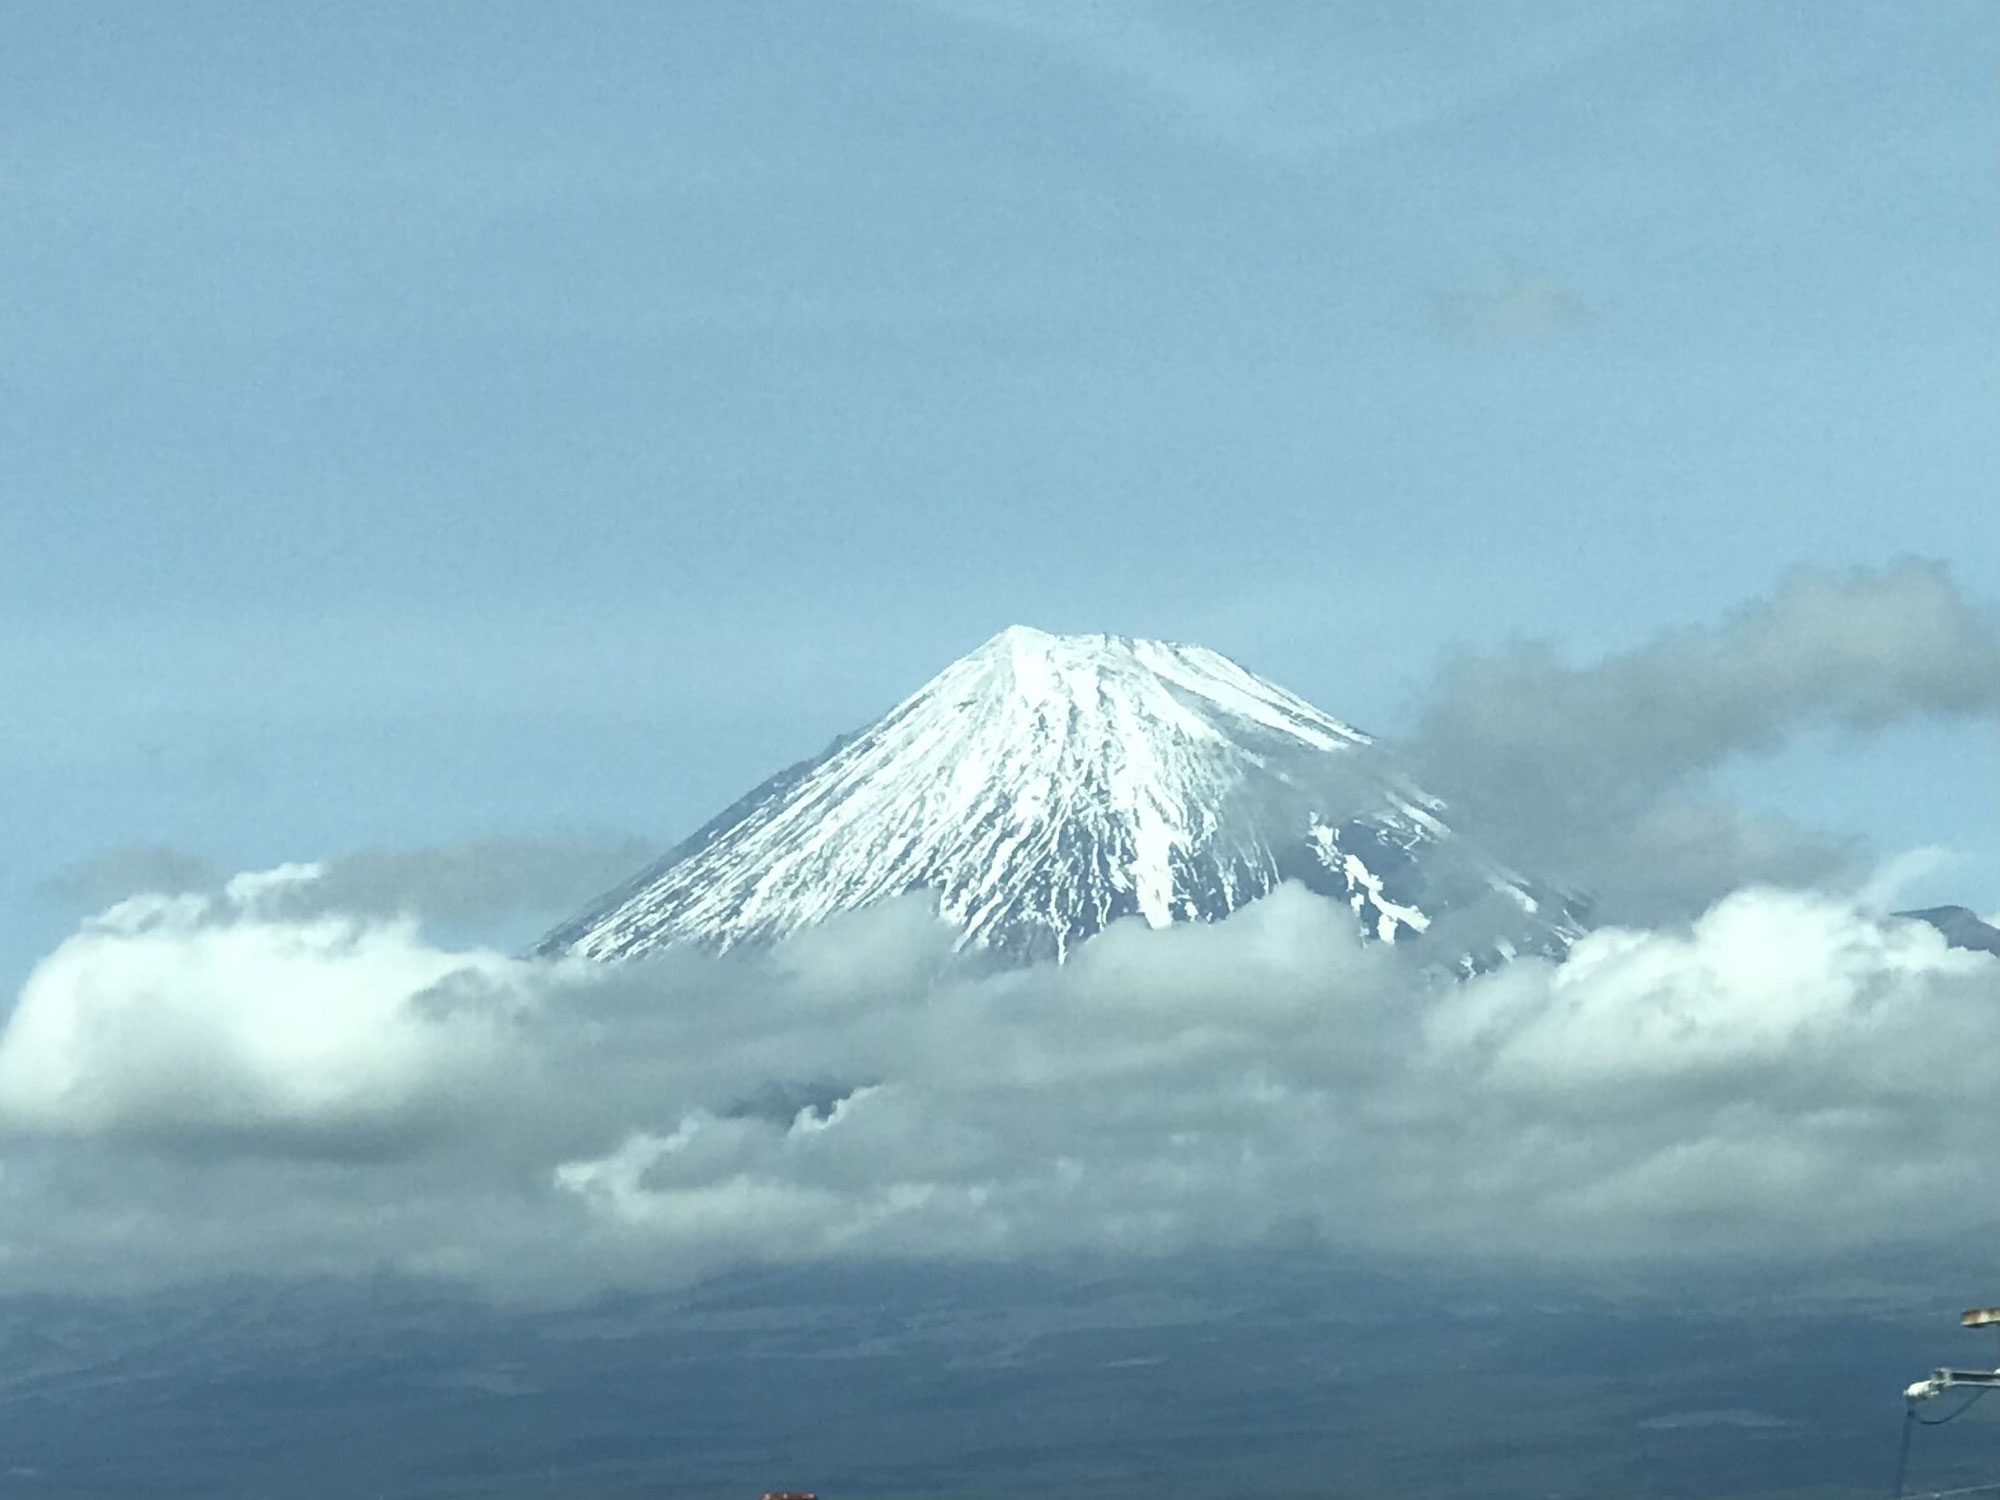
column 213, row 1017
column 194, row 1085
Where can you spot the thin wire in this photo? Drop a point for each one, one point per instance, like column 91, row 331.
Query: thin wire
column 1958, row 1411
column 1911, row 1421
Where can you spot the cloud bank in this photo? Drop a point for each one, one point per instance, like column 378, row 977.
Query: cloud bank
column 200, row 1084
column 292, row 1071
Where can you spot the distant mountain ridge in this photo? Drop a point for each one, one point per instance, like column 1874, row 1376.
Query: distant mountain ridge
column 1044, row 786
column 1962, row 928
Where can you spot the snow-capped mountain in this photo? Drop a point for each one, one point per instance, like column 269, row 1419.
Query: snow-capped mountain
column 1044, row 786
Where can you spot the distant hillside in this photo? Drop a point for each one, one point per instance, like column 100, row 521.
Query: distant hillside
column 1961, row 928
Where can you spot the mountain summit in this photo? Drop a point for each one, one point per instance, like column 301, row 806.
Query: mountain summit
column 1045, row 786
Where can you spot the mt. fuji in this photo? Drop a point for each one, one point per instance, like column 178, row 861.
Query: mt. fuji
column 1044, row 786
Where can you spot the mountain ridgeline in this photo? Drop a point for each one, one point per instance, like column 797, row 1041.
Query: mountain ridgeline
column 1045, row 786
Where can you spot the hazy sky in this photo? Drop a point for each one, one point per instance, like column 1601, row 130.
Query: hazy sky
column 426, row 422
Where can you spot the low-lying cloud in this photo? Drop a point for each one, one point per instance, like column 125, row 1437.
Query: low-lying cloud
column 203, row 1017
column 207, row 1083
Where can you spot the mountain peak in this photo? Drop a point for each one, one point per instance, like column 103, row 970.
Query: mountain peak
column 1043, row 786
column 1026, row 637
column 1027, row 640
column 1118, row 681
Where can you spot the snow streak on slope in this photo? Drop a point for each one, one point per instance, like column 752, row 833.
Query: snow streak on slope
column 1044, row 786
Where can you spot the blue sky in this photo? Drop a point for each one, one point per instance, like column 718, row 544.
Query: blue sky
column 427, row 423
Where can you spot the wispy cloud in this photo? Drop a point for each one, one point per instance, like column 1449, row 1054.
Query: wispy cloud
column 1348, row 75
column 1519, row 305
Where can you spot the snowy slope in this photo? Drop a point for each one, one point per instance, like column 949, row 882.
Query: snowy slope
column 1044, row 786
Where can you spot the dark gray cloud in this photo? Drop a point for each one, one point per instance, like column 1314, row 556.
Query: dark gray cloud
column 1594, row 773
column 1670, row 860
